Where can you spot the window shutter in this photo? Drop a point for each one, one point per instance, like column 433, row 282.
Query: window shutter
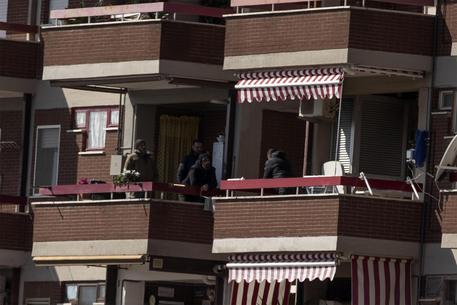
column 48, row 138
column 382, row 137
column 346, row 135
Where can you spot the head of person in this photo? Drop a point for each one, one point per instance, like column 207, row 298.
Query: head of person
column 205, row 160
column 197, row 147
column 140, row 145
column 270, row 153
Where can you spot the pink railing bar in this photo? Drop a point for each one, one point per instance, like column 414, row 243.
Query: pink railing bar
column 12, row 200
column 241, row 3
column 167, row 7
column 77, row 189
column 251, row 184
column 18, row 28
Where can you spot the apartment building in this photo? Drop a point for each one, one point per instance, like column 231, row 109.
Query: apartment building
column 322, row 80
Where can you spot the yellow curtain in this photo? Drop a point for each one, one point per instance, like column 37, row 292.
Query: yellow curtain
column 175, row 141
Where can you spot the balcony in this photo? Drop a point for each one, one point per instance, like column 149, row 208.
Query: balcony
column 20, row 63
column 98, row 229
column 337, row 219
column 448, row 218
column 16, row 231
column 134, row 43
column 341, row 35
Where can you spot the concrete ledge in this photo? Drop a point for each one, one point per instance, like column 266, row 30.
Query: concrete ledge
column 90, row 247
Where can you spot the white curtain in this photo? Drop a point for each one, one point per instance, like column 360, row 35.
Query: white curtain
column 97, row 125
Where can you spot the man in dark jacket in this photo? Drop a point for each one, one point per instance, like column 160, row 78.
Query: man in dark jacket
column 277, row 166
column 188, row 161
column 141, row 161
column 203, row 175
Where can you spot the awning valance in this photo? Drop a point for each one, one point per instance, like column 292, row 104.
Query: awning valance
column 285, row 267
column 381, row 281
column 89, row 259
column 281, row 85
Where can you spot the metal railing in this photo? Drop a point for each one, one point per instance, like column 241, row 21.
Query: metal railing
column 327, row 184
column 131, row 12
column 137, row 187
column 258, row 6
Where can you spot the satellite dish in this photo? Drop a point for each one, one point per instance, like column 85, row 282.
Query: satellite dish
column 152, row 300
column 448, row 159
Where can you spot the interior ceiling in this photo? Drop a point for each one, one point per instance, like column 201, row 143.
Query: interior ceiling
column 193, row 108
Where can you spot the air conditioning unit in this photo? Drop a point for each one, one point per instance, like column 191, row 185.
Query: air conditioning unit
column 318, row 110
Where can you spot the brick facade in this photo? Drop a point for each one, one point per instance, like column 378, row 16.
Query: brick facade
column 332, row 29
column 11, row 126
column 52, row 290
column 124, row 220
column 326, row 216
column 128, row 42
column 20, row 59
column 72, row 166
column 15, row 231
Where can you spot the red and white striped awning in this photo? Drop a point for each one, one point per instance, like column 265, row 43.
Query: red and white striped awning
column 323, row 83
column 282, row 267
column 263, row 293
column 381, row 281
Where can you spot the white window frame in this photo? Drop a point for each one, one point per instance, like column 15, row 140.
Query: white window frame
column 441, row 99
column 36, row 149
column 87, row 111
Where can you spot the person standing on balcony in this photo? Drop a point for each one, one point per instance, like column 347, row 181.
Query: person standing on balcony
column 188, row 161
column 277, row 166
column 203, row 175
column 141, row 161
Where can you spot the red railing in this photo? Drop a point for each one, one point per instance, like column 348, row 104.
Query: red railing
column 350, row 181
column 81, row 189
column 156, row 7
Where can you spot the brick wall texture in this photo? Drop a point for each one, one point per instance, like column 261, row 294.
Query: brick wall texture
column 154, row 220
column 440, row 136
column 336, row 216
column 73, row 167
column 335, row 29
column 127, row 42
column 449, row 214
column 20, row 59
column 15, row 231
column 11, row 123
column 52, row 290
column 447, row 28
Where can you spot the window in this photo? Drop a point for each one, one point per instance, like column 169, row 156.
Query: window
column 85, row 293
column 47, row 155
column 94, row 121
column 446, row 100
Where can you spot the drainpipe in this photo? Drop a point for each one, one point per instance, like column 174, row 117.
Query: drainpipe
column 230, row 134
column 25, row 144
column 427, row 199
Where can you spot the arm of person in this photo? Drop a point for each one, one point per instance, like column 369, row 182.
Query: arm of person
column 128, row 165
column 213, row 180
column 180, row 172
column 267, row 171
